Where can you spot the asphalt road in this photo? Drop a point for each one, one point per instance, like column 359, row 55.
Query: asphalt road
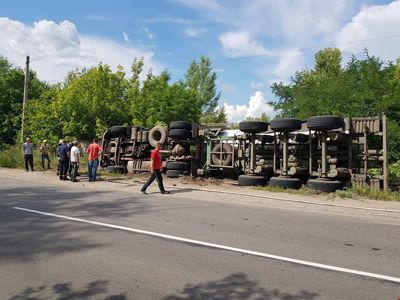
column 52, row 257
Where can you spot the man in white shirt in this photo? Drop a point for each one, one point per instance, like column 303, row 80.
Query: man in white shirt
column 75, row 159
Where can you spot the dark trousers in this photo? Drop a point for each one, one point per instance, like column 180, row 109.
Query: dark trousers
column 155, row 174
column 64, row 164
column 44, row 157
column 28, row 160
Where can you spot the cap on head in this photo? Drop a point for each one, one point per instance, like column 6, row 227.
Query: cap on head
column 44, row 141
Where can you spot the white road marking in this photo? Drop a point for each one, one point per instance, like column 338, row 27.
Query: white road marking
column 217, row 246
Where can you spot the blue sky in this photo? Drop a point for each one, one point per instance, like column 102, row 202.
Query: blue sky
column 251, row 43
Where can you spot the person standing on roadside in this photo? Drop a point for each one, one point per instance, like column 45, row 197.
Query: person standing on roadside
column 44, row 151
column 93, row 152
column 75, row 160
column 27, row 151
column 64, row 152
column 155, row 168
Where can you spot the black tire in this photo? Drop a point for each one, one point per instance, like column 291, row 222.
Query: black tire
column 182, row 134
column 327, row 186
column 286, row 182
column 157, row 135
column 285, row 125
column 226, row 158
column 253, row 126
column 252, row 180
column 324, row 123
column 178, row 165
column 117, row 131
column 180, row 125
column 173, row 173
column 116, row 169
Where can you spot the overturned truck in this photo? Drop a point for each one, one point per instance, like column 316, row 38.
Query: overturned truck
column 325, row 153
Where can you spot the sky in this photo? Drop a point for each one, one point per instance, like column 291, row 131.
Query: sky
column 251, row 43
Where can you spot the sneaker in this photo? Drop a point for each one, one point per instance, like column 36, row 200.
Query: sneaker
column 143, row 192
column 75, row 180
column 165, row 192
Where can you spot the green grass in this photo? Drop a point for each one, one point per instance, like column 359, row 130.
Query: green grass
column 349, row 193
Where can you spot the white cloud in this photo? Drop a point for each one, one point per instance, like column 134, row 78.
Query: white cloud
column 290, row 61
column 257, row 85
column 194, row 32
column 371, row 23
column 55, row 49
column 257, row 105
column 126, row 37
column 207, row 5
column 149, row 34
column 237, row 44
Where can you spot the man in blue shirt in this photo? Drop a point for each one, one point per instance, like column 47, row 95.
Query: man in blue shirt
column 64, row 152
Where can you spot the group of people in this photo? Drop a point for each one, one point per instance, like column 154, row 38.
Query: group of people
column 69, row 158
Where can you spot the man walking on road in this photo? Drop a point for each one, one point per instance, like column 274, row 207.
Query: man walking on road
column 155, row 168
column 93, row 152
column 27, row 151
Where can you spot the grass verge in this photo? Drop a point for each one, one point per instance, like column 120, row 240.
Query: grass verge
column 349, row 193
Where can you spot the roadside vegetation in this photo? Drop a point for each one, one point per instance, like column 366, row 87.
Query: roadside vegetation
column 349, row 193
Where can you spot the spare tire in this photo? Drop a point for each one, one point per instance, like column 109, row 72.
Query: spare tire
column 174, row 173
column 116, row 169
column 286, row 182
column 226, row 158
column 253, row 126
column 177, row 165
column 182, row 134
column 324, row 122
column 157, row 135
column 117, row 131
column 327, row 186
column 180, row 125
column 252, row 180
column 285, row 125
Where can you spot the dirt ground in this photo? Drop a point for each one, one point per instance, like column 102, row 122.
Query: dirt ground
column 222, row 190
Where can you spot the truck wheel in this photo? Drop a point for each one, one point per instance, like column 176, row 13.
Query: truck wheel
column 324, row 123
column 117, row 131
column 177, row 165
column 285, row 125
column 173, row 173
column 157, row 135
column 182, row 134
column 226, row 158
column 253, row 126
column 286, row 182
column 180, row 125
column 116, row 169
column 252, row 180
column 327, row 186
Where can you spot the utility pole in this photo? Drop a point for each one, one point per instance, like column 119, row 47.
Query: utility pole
column 26, row 86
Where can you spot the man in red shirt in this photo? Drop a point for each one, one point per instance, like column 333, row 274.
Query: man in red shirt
column 93, row 152
column 155, row 168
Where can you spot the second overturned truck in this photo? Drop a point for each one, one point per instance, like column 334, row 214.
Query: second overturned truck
column 325, row 153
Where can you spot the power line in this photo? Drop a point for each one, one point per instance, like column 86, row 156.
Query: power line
column 305, row 48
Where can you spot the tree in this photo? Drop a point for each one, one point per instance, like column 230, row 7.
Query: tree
column 202, row 79
column 366, row 87
column 11, row 97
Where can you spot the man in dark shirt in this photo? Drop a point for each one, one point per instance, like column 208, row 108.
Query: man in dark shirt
column 155, row 168
column 64, row 152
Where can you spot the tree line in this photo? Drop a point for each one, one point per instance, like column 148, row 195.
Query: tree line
column 91, row 100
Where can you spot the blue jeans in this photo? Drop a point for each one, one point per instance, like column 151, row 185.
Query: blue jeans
column 74, row 170
column 92, row 169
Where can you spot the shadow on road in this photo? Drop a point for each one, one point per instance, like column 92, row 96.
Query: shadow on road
column 64, row 291
column 25, row 235
column 235, row 287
